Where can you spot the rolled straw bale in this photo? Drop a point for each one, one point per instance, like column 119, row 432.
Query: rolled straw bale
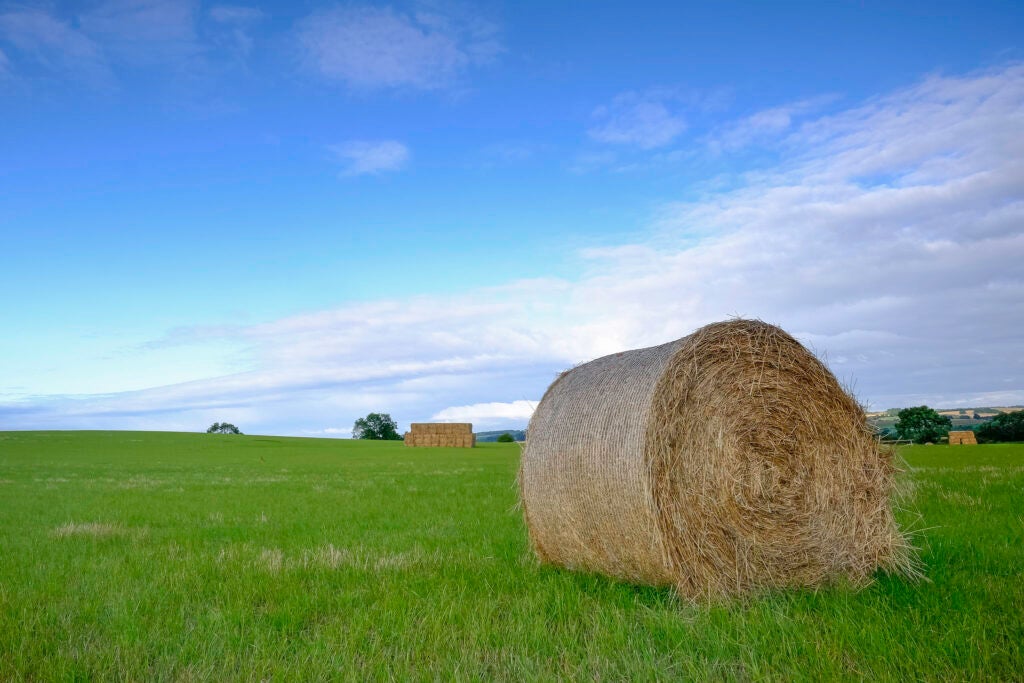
column 724, row 462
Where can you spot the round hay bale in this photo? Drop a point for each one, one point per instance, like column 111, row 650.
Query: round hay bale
column 724, row 462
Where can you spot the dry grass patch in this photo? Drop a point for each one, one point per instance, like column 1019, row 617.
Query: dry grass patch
column 960, row 498
column 276, row 560
column 94, row 529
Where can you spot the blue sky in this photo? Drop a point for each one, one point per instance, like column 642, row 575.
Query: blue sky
column 287, row 215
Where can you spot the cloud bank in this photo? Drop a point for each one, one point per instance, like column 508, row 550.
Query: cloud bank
column 516, row 411
column 887, row 237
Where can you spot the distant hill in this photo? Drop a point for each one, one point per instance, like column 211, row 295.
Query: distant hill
column 517, row 434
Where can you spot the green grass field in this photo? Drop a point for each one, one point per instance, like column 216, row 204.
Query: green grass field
column 141, row 556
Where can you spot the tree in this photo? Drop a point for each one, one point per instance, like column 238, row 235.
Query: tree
column 223, row 428
column 376, row 426
column 1003, row 427
column 506, row 438
column 922, row 424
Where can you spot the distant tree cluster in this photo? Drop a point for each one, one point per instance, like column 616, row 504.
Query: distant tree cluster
column 376, row 426
column 1003, row 427
column 922, row 425
column 506, row 438
column 223, row 428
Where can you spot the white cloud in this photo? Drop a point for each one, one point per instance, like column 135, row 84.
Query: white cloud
column 643, row 120
column 5, row 65
column 362, row 157
column 519, row 411
column 888, row 238
column 378, row 47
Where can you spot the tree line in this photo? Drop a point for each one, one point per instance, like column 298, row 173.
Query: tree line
column 922, row 424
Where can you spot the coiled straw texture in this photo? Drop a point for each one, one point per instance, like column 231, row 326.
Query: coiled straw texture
column 722, row 463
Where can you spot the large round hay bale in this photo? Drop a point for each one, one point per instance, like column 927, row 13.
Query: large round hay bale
column 720, row 463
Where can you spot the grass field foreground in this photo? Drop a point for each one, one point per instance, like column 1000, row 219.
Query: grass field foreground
column 144, row 556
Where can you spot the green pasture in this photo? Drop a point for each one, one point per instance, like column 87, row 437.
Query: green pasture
column 161, row 556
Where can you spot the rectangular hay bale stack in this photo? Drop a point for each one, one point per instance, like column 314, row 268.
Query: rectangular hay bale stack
column 440, row 435
column 962, row 438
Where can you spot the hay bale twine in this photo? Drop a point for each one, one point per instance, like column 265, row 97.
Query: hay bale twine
column 724, row 462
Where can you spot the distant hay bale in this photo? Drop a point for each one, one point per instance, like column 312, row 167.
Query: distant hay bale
column 727, row 461
column 440, row 435
column 962, row 438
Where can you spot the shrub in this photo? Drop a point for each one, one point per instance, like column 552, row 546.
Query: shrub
column 223, row 428
column 1003, row 427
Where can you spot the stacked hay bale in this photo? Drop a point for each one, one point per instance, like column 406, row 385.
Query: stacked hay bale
column 441, row 435
column 961, row 438
column 727, row 461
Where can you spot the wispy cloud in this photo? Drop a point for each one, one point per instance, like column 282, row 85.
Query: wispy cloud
column 379, row 47
column 767, row 124
column 887, row 237
column 236, row 14
column 509, row 152
column 644, row 120
column 145, row 32
column 110, row 38
column 54, row 45
column 366, row 157
column 237, row 22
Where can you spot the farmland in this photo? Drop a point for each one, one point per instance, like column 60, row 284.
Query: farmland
column 145, row 555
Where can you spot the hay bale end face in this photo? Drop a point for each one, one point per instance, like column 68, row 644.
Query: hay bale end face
column 440, row 435
column 725, row 462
